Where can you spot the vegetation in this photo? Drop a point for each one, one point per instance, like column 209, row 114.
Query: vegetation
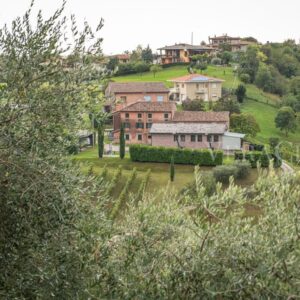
column 172, row 169
column 261, row 157
column 122, row 142
column 155, row 69
column 203, row 157
column 240, row 93
column 244, row 123
column 286, row 120
column 193, row 105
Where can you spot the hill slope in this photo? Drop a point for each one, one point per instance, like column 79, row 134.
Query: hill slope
column 262, row 105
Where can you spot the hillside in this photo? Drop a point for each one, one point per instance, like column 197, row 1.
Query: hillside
column 262, row 105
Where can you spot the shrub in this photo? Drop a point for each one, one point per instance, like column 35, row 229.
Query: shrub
column 243, row 169
column 216, row 61
column 245, row 78
column 208, row 182
column 223, row 173
column 203, row 157
column 253, row 157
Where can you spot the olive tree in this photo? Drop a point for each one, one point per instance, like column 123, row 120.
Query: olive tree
column 42, row 99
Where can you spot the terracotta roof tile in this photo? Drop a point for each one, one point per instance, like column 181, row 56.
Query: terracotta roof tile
column 150, row 107
column 136, row 87
column 201, row 116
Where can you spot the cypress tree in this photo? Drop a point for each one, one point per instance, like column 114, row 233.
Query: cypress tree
column 172, row 169
column 100, row 142
column 122, row 142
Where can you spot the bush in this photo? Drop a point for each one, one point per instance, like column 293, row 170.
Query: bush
column 245, row 78
column 203, row 157
column 208, row 182
column 243, row 169
column 223, row 173
column 253, row 157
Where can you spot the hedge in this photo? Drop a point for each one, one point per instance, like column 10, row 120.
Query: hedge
column 203, row 157
column 257, row 156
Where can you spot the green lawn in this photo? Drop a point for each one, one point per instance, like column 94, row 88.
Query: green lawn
column 159, row 180
column 265, row 115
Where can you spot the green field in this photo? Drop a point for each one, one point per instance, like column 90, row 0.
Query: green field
column 259, row 103
column 184, row 174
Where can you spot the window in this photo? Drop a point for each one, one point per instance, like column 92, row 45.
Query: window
column 182, row 85
column 216, row 138
column 147, row 98
column 175, row 138
column 149, row 116
column 214, row 95
column 127, row 137
column 149, row 137
column 139, row 137
column 123, row 99
column 139, row 125
column 197, row 85
column 160, row 98
column 166, row 116
column 209, row 138
column 139, row 116
column 182, row 138
column 127, row 115
column 199, row 137
column 193, row 138
column 126, row 125
column 148, row 125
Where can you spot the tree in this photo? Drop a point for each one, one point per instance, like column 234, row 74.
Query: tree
column 295, row 85
column 172, row 169
column 100, row 142
column 226, row 57
column 141, row 67
column 42, row 200
column 122, row 142
column 286, row 120
column 249, row 62
column 273, row 142
column 244, row 123
column 147, row 55
column 227, row 104
column 201, row 65
column 155, row 69
column 112, row 63
column 240, row 93
column 193, row 105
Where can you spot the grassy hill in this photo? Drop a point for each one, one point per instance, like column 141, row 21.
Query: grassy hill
column 262, row 105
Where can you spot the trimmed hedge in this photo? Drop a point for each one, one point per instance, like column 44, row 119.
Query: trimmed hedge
column 256, row 156
column 203, row 157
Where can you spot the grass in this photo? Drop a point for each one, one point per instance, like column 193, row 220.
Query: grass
column 265, row 115
column 184, row 174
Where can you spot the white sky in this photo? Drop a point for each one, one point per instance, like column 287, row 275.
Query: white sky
column 163, row 22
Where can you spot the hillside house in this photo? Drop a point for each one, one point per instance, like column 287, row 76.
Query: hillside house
column 181, row 53
column 119, row 95
column 138, row 118
column 196, row 86
column 236, row 43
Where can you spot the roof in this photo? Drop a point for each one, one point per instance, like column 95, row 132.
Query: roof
column 183, row 46
column 224, row 36
column 188, row 128
column 201, row 116
column 196, row 78
column 122, row 56
column 144, row 106
column 234, row 134
column 136, row 87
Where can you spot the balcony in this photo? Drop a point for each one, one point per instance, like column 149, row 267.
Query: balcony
column 201, row 91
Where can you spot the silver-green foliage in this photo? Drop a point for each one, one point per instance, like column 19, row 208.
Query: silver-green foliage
column 210, row 249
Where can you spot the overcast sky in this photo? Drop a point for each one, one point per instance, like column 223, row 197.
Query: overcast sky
column 163, row 22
